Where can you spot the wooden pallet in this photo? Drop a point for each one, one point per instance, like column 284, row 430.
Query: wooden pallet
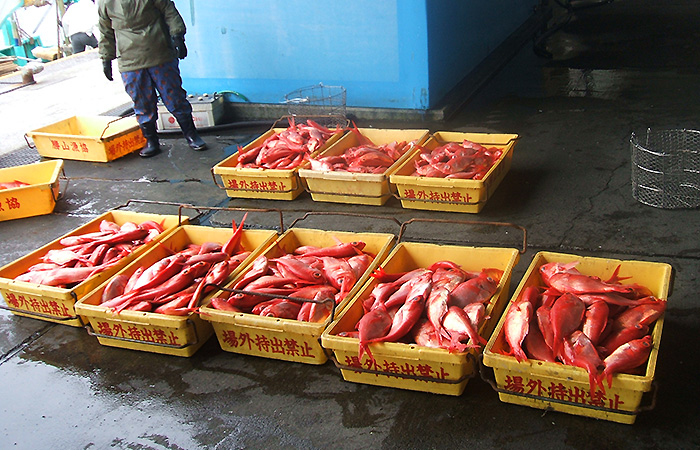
column 7, row 65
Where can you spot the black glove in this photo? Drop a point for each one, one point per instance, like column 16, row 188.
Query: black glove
column 107, row 68
column 179, row 44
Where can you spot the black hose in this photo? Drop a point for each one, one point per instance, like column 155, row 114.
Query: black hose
column 223, row 126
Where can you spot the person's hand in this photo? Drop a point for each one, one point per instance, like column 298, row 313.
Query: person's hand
column 107, row 68
column 179, row 44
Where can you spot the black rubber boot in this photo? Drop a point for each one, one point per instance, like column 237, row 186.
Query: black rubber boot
column 190, row 133
column 152, row 147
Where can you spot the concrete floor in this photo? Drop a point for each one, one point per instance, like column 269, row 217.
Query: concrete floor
column 614, row 70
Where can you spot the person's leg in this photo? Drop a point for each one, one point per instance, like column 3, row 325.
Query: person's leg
column 78, row 41
column 92, row 41
column 139, row 86
column 169, row 84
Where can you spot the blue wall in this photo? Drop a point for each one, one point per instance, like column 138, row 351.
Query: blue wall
column 463, row 33
column 386, row 53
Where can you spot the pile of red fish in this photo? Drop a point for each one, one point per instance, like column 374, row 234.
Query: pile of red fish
column 175, row 284
column 364, row 158
column 468, row 160
column 87, row 254
column 12, row 184
column 600, row 325
column 289, row 148
column 324, row 275
column 442, row 306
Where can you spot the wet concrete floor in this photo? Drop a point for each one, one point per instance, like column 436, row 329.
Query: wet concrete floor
column 614, row 70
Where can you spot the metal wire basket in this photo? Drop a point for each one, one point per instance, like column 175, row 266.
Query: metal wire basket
column 666, row 168
column 317, row 100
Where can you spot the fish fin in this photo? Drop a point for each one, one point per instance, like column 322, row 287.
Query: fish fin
column 615, row 278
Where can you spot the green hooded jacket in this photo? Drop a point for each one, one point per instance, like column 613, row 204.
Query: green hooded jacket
column 138, row 32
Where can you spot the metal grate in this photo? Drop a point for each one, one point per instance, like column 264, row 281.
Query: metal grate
column 666, row 168
column 19, row 158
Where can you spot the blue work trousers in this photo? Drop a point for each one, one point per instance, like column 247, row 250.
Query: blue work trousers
column 142, row 84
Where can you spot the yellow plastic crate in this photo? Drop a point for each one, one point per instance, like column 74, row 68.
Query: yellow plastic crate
column 89, row 138
column 286, row 339
column 358, row 188
column 161, row 333
column 55, row 304
column 36, row 199
column 564, row 388
column 411, row 366
column 455, row 195
column 271, row 184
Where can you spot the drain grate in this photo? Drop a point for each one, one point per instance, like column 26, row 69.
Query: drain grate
column 19, row 157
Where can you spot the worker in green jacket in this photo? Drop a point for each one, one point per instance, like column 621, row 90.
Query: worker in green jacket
column 147, row 37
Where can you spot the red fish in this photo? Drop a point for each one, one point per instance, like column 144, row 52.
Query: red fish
column 322, row 306
column 621, row 336
column 341, row 250
column 424, row 334
column 409, row 313
column 339, row 273
column 216, row 275
column 566, row 316
column 535, row 345
column 375, row 324
column 585, row 355
column 283, row 309
column 459, row 327
column 360, row 264
column 115, row 287
column 517, row 326
column 292, row 266
column 595, row 320
column 13, row 184
column 626, row 357
column 644, row 314
column 260, row 267
column 223, row 304
column 474, row 290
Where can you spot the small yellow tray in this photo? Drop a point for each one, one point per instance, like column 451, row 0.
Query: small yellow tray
column 36, row 199
column 89, row 138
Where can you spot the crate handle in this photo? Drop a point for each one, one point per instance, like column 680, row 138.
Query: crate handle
column 42, row 315
column 92, row 332
column 225, row 208
column 216, row 182
column 158, row 202
column 291, row 117
column 340, row 213
column 29, row 144
column 468, row 222
column 110, row 123
column 464, row 377
column 494, row 385
column 60, row 195
column 500, row 144
column 286, row 297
